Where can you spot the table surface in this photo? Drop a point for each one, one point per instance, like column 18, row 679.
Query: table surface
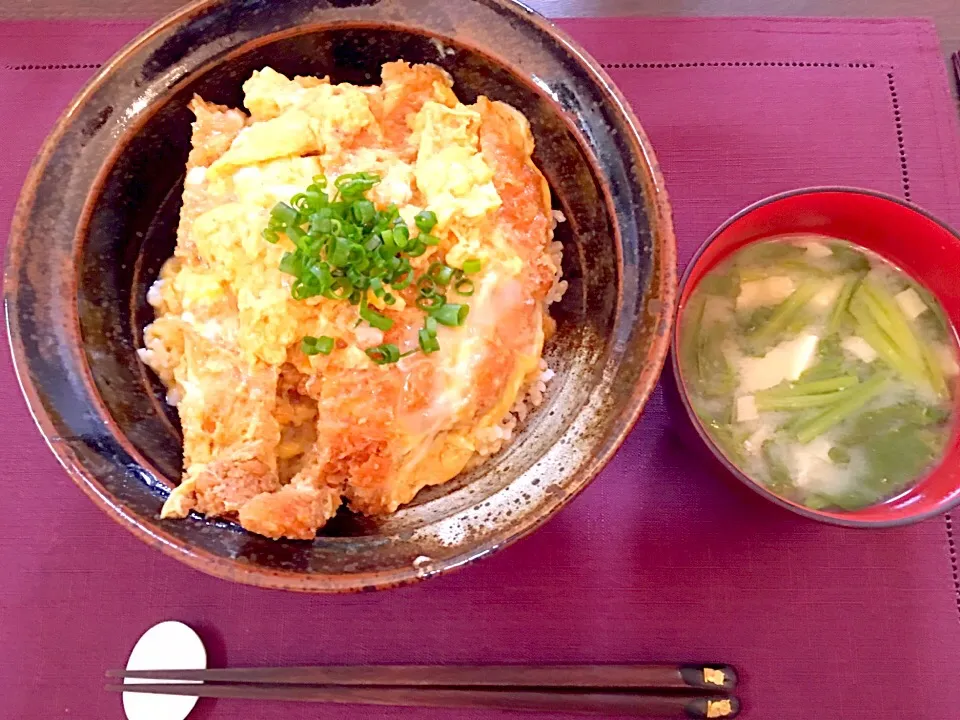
column 946, row 13
column 801, row 617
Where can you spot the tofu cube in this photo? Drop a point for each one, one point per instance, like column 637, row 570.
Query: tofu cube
column 859, row 348
column 746, row 408
column 769, row 291
column 911, row 303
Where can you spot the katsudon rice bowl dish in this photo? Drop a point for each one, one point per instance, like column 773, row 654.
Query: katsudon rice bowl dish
column 359, row 297
column 339, row 297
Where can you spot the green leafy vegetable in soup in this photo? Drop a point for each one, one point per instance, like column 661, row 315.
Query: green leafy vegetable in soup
column 820, row 369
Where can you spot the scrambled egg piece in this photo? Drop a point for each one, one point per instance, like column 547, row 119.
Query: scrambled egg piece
column 281, row 440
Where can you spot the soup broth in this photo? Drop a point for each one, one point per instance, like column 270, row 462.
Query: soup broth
column 820, row 369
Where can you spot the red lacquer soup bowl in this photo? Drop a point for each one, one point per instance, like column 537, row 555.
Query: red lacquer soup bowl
column 910, row 238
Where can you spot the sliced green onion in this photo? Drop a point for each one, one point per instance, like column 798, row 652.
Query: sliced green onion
column 357, row 279
column 284, row 214
column 361, row 264
column 321, row 272
column 472, row 266
column 301, row 202
column 464, row 287
column 430, row 303
column 425, row 220
column 401, row 267
column 297, row 236
column 395, row 265
column 380, row 322
column 451, row 314
column 428, row 343
column 312, row 244
column 384, row 354
column 403, row 282
column 341, row 289
column 357, row 257
column 416, row 248
column 316, row 197
column 401, row 236
column 346, row 247
column 388, row 250
column 341, row 252
column 391, row 215
column 290, row 264
column 322, row 345
column 355, row 184
column 440, row 273
column 319, row 225
column 302, row 290
column 364, row 211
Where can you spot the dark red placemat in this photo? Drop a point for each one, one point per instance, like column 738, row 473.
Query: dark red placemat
column 659, row 558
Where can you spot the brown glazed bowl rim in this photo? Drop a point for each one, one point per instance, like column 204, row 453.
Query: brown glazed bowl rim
column 661, row 309
column 744, row 478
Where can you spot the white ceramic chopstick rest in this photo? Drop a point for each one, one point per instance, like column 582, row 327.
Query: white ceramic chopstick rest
column 170, row 645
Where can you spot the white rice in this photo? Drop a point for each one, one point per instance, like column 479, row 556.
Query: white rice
column 555, row 293
column 154, row 294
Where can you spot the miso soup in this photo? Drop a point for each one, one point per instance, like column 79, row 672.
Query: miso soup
column 820, row 369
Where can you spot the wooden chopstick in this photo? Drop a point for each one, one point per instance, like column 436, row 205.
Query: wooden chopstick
column 710, row 677
column 584, row 702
